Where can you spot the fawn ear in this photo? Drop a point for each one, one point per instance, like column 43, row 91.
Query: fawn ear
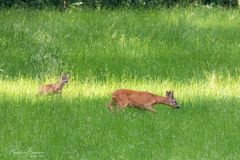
column 63, row 74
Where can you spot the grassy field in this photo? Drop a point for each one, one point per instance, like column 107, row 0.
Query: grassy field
column 195, row 52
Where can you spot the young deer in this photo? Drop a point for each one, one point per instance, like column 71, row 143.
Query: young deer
column 144, row 100
column 54, row 88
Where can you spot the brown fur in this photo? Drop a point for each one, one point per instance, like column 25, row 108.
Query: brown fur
column 145, row 100
column 53, row 88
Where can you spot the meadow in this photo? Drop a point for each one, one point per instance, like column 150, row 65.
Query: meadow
column 193, row 51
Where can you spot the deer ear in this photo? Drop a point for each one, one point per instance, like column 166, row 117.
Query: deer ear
column 167, row 93
column 171, row 93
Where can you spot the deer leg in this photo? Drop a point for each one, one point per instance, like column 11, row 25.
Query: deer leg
column 110, row 105
column 40, row 93
column 60, row 94
column 121, row 104
column 150, row 109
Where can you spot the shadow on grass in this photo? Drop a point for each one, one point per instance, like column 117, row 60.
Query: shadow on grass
column 175, row 67
column 180, row 53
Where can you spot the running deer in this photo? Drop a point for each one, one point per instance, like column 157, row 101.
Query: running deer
column 54, row 88
column 143, row 100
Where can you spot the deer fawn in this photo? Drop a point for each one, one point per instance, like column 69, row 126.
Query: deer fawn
column 54, row 88
column 144, row 100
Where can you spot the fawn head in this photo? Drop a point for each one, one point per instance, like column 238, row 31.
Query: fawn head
column 171, row 100
column 64, row 78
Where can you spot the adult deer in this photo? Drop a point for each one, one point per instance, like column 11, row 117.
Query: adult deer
column 144, row 100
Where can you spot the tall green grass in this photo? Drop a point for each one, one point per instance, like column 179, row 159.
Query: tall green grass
column 195, row 52
column 163, row 44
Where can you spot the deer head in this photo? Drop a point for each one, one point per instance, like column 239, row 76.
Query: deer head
column 64, row 78
column 171, row 100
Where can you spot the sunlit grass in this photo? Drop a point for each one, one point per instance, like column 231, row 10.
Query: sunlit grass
column 213, row 86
